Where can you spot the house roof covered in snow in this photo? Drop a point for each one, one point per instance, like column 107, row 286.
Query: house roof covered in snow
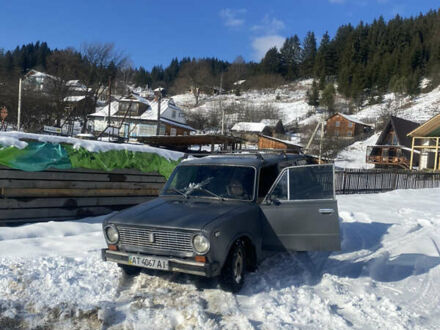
column 249, row 127
column 35, row 73
column 351, row 118
column 270, row 122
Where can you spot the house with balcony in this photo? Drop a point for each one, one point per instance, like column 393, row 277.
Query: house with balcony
column 393, row 147
column 133, row 116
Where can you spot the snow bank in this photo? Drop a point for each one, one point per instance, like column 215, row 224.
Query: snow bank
column 386, row 276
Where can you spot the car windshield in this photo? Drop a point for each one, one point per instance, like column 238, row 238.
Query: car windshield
column 215, row 181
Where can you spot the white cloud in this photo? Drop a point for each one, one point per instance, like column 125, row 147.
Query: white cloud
column 232, row 17
column 269, row 25
column 262, row 44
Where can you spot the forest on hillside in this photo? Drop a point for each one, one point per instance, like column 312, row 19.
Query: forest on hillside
column 364, row 62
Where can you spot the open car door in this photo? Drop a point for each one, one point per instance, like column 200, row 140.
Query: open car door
column 301, row 210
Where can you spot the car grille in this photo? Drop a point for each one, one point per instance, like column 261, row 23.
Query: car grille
column 164, row 240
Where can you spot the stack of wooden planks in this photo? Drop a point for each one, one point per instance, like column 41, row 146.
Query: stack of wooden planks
column 69, row 194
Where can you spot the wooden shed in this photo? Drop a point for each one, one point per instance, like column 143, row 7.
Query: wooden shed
column 342, row 125
column 269, row 142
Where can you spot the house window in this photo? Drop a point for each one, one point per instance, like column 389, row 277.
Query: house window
column 338, row 124
column 350, row 124
column 394, row 140
column 173, row 131
column 350, row 133
column 173, row 115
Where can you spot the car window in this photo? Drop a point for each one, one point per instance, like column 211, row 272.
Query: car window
column 233, row 182
column 268, row 175
column 311, row 182
column 280, row 190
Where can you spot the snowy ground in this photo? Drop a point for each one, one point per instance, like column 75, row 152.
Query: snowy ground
column 354, row 156
column 386, row 276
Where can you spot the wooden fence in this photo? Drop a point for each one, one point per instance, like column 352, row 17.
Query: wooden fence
column 354, row 181
column 70, row 194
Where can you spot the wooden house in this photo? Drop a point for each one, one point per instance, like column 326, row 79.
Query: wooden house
column 344, row 126
column 270, row 142
column 426, row 140
column 134, row 117
column 393, row 147
column 250, row 131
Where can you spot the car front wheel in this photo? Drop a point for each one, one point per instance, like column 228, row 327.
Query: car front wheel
column 232, row 276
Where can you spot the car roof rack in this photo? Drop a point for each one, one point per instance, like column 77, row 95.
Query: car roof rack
column 259, row 153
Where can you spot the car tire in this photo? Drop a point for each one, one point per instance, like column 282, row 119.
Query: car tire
column 234, row 269
column 130, row 270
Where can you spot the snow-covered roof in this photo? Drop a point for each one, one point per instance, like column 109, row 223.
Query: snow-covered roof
column 270, row 122
column 164, row 105
column 135, row 98
column 352, row 119
column 75, row 98
column 249, row 127
column 239, row 82
column 176, row 124
column 103, row 111
column 35, row 73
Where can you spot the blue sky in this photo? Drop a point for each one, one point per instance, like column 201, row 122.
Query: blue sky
column 153, row 32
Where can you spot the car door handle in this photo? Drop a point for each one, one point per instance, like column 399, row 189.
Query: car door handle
column 326, row 211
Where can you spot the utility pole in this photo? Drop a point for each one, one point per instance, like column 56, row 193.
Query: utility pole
column 320, row 142
column 158, row 93
column 19, row 105
column 221, row 108
column 109, row 106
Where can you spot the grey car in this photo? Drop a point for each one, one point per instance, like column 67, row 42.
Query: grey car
column 220, row 215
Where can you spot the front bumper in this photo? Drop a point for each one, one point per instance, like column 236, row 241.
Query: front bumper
column 175, row 264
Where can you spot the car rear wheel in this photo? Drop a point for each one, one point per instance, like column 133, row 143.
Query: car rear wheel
column 130, row 270
column 232, row 275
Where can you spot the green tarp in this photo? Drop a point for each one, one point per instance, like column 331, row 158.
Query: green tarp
column 39, row 156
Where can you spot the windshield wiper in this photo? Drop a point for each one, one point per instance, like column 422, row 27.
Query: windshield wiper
column 211, row 193
column 200, row 186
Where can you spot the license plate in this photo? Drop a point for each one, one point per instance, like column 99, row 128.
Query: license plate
column 148, row 262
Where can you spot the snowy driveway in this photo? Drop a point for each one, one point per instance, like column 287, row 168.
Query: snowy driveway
column 386, row 276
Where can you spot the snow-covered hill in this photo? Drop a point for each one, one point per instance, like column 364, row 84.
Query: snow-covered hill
column 291, row 100
column 386, row 276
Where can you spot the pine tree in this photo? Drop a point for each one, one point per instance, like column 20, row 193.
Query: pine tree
column 290, row 57
column 271, row 63
column 313, row 95
column 308, row 55
column 328, row 98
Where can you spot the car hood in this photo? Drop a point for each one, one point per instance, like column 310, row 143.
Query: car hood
column 175, row 213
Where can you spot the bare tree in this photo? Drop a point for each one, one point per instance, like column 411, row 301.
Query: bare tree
column 195, row 76
column 64, row 65
column 103, row 62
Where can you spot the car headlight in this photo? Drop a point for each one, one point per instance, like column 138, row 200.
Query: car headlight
column 201, row 244
column 112, row 234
